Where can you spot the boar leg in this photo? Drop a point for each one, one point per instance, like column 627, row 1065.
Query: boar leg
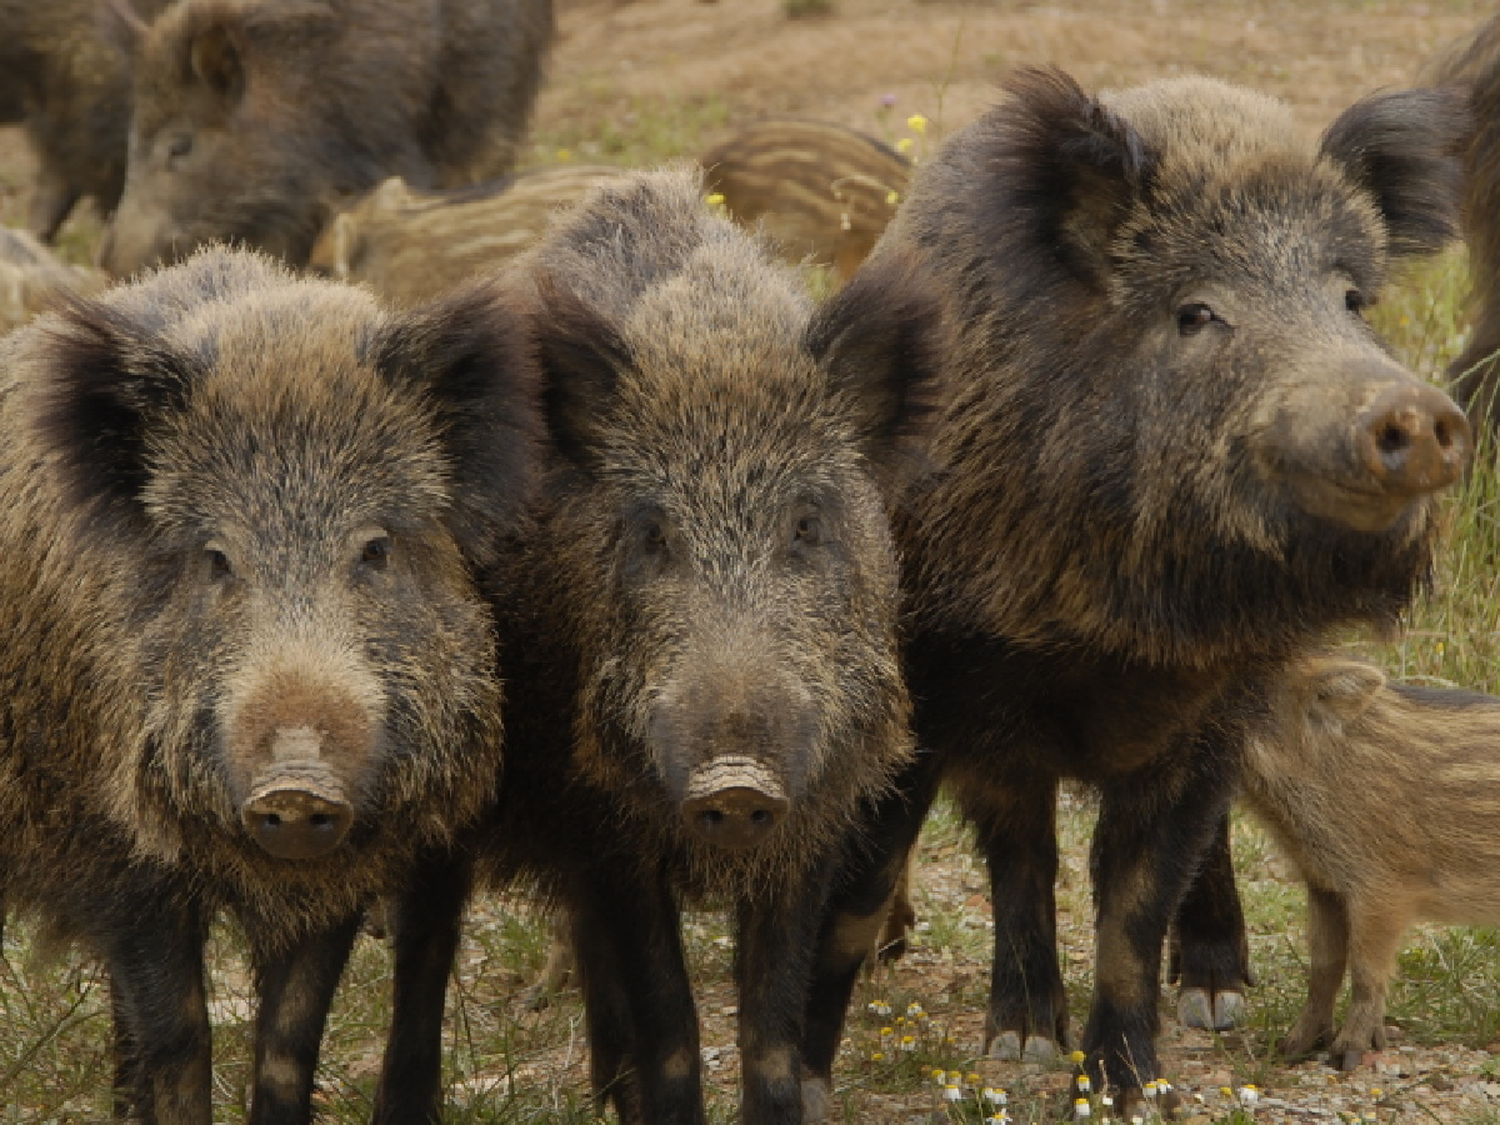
column 643, row 1027
column 1375, row 932
column 773, row 959
column 1017, row 830
column 854, row 914
column 427, row 921
column 1328, row 944
column 1211, row 950
column 1152, row 831
column 295, row 988
column 155, row 961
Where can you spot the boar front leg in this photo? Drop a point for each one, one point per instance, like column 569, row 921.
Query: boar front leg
column 1328, row 947
column 163, row 1064
column 1153, row 830
column 855, row 912
column 295, row 988
column 1375, row 932
column 774, row 939
column 1211, row 952
column 643, row 1027
column 427, row 919
column 1017, row 830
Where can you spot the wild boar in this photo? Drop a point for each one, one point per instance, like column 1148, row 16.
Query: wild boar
column 823, row 192
column 410, row 245
column 707, row 605
column 68, row 82
column 253, row 120
column 1387, row 798
column 1175, row 455
column 249, row 667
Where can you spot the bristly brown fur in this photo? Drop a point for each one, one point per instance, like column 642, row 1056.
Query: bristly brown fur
column 240, row 503
column 287, row 108
column 1149, row 492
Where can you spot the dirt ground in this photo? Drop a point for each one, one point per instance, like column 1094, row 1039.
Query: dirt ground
column 697, row 69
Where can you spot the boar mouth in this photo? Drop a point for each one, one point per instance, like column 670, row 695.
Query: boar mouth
column 1364, row 509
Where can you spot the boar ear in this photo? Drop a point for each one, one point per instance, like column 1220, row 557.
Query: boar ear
column 108, row 380
column 1342, row 690
column 217, row 62
column 466, row 354
column 1406, row 148
column 1076, row 166
column 881, row 339
column 582, row 355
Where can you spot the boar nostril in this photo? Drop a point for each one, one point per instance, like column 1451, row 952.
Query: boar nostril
column 1413, row 440
column 296, row 823
column 1393, row 439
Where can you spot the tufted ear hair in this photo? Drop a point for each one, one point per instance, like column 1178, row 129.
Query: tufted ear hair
column 467, row 355
column 1406, row 148
column 1073, row 166
column 1341, row 691
column 104, row 379
column 882, row 339
column 582, row 355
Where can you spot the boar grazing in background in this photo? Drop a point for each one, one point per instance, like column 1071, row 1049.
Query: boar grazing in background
column 1173, row 455
column 254, row 120
column 708, row 604
column 1387, row 798
column 68, row 82
column 33, row 279
column 410, row 245
column 1474, row 65
column 823, row 192
column 248, row 665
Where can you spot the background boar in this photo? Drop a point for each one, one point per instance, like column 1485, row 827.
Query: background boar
column 33, row 279
column 1175, row 454
column 708, row 604
column 249, row 667
column 69, row 83
column 822, row 191
column 410, row 245
column 1473, row 63
column 253, row 119
column 1387, row 798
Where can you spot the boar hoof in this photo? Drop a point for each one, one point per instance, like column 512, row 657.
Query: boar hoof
column 1348, row 1060
column 1006, row 1047
column 296, row 824
column 817, row 1099
column 1039, row 1049
column 1223, row 1013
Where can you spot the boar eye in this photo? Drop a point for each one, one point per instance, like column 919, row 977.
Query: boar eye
column 809, row 531
column 1355, row 302
column 655, row 536
column 376, row 552
column 1194, row 318
column 218, row 563
column 179, row 146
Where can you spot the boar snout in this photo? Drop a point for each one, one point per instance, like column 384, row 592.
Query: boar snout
column 1413, row 439
column 297, row 808
column 733, row 802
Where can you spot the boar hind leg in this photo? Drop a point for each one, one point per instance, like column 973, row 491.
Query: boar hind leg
column 1151, row 834
column 854, row 914
column 427, row 920
column 295, row 987
column 1017, row 830
column 162, row 1038
column 1212, row 951
column 773, row 959
column 643, row 1027
column 1328, row 941
column 1375, row 932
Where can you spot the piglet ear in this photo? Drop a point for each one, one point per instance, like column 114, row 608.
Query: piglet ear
column 1342, row 690
column 881, row 340
column 467, row 354
column 1406, row 148
column 217, row 61
column 101, row 380
column 582, row 355
column 1073, row 168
